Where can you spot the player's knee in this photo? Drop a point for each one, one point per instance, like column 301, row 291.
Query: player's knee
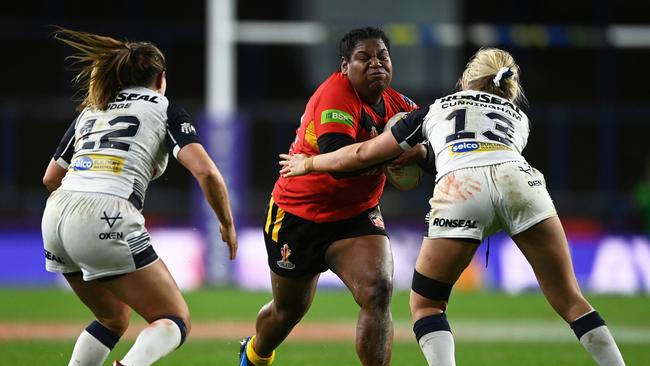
column 183, row 325
column 288, row 311
column 433, row 294
column 377, row 294
column 188, row 323
column 117, row 321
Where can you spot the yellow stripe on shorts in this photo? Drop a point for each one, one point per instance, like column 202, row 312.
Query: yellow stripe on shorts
column 268, row 216
column 277, row 224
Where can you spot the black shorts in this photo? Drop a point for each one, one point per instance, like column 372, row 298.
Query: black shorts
column 296, row 247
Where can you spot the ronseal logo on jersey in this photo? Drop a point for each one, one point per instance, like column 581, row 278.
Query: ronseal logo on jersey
column 468, row 146
column 97, row 163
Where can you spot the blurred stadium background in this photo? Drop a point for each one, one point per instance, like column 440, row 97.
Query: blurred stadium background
column 245, row 69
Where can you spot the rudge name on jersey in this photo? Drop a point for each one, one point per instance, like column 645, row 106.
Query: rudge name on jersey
column 112, row 106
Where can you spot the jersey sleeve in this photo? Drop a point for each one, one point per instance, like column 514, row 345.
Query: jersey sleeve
column 411, row 105
column 65, row 150
column 409, row 132
column 180, row 129
column 337, row 111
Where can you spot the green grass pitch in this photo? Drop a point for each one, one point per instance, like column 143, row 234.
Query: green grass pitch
column 469, row 313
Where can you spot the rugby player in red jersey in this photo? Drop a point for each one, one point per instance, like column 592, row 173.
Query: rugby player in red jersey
column 332, row 221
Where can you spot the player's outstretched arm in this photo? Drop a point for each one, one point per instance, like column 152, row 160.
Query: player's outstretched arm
column 349, row 158
column 53, row 175
column 194, row 157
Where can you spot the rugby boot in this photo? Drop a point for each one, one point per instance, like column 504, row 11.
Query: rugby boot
column 243, row 360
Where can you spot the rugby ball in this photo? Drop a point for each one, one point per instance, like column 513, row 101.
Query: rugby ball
column 405, row 177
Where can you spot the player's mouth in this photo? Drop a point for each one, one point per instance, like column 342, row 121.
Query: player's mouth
column 378, row 74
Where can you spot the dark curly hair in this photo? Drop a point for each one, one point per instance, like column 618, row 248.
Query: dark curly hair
column 351, row 38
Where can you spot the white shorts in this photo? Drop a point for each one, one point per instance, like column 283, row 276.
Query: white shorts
column 476, row 202
column 98, row 234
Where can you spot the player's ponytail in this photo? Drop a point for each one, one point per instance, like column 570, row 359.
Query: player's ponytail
column 494, row 71
column 106, row 65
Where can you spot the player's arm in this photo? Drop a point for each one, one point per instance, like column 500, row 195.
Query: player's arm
column 335, row 141
column 360, row 155
column 53, row 176
column 336, row 123
column 416, row 155
column 59, row 163
column 185, row 146
column 194, row 157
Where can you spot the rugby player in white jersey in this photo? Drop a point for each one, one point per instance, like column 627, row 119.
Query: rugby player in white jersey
column 92, row 228
column 484, row 185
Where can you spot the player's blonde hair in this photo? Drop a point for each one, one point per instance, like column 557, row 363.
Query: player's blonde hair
column 106, row 65
column 494, row 71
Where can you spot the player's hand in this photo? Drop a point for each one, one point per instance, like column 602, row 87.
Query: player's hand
column 229, row 235
column 293, row 165
column 416, row 154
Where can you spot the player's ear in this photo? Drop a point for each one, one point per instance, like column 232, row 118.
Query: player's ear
column 344, row 66
column 161, row 82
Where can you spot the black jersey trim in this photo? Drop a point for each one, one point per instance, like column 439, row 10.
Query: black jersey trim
column 180, row 129
column 65, row 150
column 410, row 130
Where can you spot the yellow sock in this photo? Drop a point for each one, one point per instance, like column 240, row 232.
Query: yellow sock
column 255, row 358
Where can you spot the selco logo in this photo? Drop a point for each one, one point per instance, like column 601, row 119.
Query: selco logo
column 465, row 147
column 82, row 163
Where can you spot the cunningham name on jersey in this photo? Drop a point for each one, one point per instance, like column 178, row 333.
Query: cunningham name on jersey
column 467, row 129
column 471, row 128
column 120, row 150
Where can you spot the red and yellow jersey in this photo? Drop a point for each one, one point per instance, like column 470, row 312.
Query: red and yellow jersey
column 336, row 107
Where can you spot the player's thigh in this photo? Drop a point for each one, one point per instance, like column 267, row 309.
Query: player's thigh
column 151, row 292
column 545, row 247
column 107, row 308
column 444, row 259
column 360, row 253
column 441, row 261
column 364, row 264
